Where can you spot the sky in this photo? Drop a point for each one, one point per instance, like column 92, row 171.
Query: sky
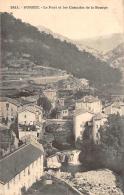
column 72, row 23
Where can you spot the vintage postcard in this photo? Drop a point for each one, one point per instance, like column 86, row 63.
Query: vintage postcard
column 61, row 97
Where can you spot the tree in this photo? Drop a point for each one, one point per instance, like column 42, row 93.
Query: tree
column 45, row 103
column 109, row 153
column 112, row 143
column 14, row 128
column 54, row 113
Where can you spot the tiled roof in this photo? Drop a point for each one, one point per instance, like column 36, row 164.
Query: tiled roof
column 15, row 101
column 32, row 98
column 89, row 99
column 31, row 108
column 17, row 161
column 116, row 104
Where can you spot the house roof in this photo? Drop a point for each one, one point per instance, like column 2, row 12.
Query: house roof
column 115, row 104
column 31, row 108
column 13, row 164
column 88, row 99
column 15, row 101
column 50, row 90
column 32, row 98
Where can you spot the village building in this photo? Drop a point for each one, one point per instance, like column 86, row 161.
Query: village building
column 33, row 98
column 84, row 83
column 9, row 108
column 89, row 103
column 116, row 107
column 20, row 169
column 80, row 118
column 62, row 112
column 30, row 122
column 61, row 101
column 83, row 120
column 29, row 115
column 51, row 94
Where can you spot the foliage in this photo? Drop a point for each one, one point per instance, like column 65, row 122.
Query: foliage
column 14, row 128
column 45, row 103
column 110, row 152
column 112, row 142
column 54, row 112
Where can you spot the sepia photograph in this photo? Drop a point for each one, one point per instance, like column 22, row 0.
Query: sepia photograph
column 62, row 97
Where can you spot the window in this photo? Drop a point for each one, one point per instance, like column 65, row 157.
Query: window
column 25, row 115
column 7, row 106
column 28, row 171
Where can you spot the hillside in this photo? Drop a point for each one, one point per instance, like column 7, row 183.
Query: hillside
column 24, row 45
column 115, row 57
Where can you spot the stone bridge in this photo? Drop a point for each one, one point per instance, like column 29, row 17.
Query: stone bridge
column 56, row 160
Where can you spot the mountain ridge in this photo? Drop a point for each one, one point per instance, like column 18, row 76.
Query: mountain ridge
column 19, row 38
column 103, row 43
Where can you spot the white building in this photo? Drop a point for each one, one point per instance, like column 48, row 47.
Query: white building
column 9, row 108
column 51, row 94
column 93, row 121
column 84, row 83
column 21, row 169
column 80, row 118
column 29, row 115
column 30, row 122
column 89, row 103
column 62, row 112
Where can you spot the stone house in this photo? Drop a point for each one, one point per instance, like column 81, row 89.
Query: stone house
column 51, row 94
column 114, row 108
column 84, row 83
column 29, row 115
column 80, row 118
column 9, row 108
column 20, row 169
column 30, row 122
column 89, row 103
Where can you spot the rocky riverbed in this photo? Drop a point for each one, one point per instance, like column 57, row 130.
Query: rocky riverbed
column 98, row 182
